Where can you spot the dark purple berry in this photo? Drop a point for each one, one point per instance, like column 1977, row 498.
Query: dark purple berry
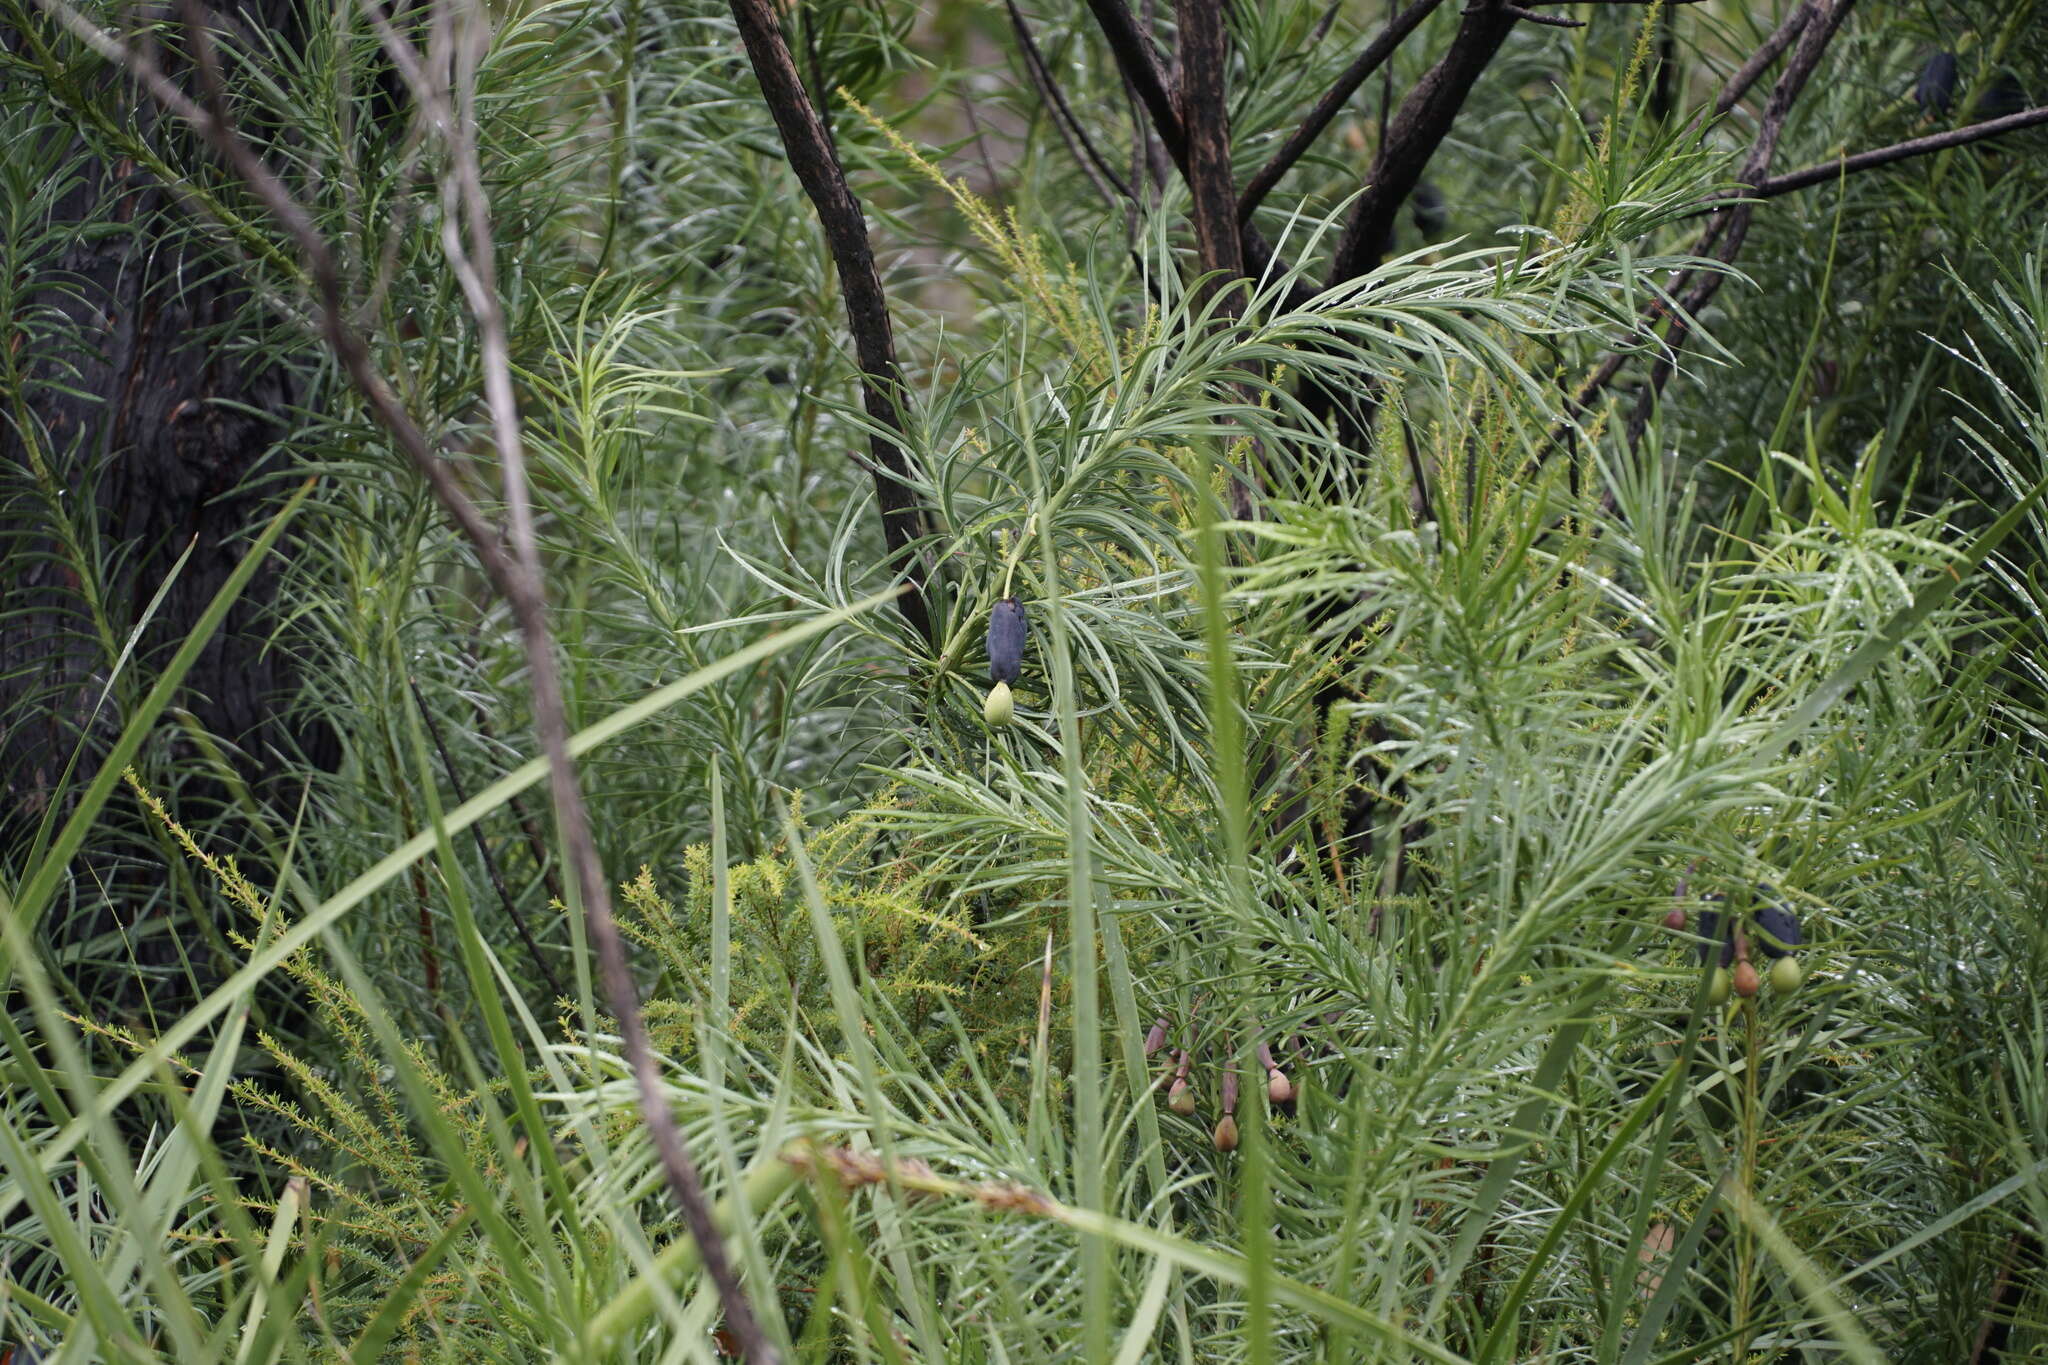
column 1935, row 91
column 1007, row 627
column 1714, row 926
column 1777, row 931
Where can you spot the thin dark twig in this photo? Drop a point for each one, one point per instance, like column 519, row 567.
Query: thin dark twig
column 483, row 848
column 1899, row 151
column 1531, row 16
column 1071, row 129
column 1322, row 28
column 1762, row 59
column 1688, row 291
column 1799, row 68
column 1333, row 100
column 514, row 576
column 1136, row 59
column 905, row 521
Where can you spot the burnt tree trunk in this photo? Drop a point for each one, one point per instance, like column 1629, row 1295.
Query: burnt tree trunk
column 154, row 421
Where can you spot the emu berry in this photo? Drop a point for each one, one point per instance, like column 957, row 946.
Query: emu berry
column 1717, row 927
column 1786, row 974
column 1007, row 627
column 1935, row 91
column 1779, row 931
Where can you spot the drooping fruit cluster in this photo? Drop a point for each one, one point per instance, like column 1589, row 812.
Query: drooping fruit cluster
column 1180, row 1094
column 1771, row 927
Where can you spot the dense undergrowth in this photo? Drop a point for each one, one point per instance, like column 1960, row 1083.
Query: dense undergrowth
column 308, row 1062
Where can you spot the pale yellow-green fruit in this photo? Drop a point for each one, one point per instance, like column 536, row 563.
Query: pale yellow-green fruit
column 1786, row 974
column 999, row 707
column 1717, row 989
column 1181, row 1100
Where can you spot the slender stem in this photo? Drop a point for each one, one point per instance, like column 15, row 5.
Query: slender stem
column 1071, row 130
column 483, row 848
column 1897, row 152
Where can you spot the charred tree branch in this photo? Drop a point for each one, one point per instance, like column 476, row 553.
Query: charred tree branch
column 1331, row 104
column 1418, row 129
column 1205, row 115
column 809, row 148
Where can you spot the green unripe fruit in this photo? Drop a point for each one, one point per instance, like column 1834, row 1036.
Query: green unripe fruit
column 1717, row 989
column 1786, row 974
column 999, row 707
column 1180, row 1099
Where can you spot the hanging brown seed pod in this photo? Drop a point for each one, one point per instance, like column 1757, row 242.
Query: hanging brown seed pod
column 1674, row 920
column 1226, row 1134
column 1746, row 981
column 1279, row 1090
column 1180, row 1097
column 1156, row 1039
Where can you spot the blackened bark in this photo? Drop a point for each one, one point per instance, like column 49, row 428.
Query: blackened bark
column 156, row 422
column 1205, row 117
column 808, row 143
column 160, row 435
column 1424, row 120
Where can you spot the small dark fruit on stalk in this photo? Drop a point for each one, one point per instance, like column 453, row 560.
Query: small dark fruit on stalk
column 1428, row 211
column 1007, row 627
column 1226, row 1134
column 1778, row 931
column 1746, row 982
column 1717, row 927
column 1935, row 90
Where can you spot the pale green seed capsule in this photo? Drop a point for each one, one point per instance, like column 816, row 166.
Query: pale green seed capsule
column 1717, row 989
column 999, row 707
column 1786, row 974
